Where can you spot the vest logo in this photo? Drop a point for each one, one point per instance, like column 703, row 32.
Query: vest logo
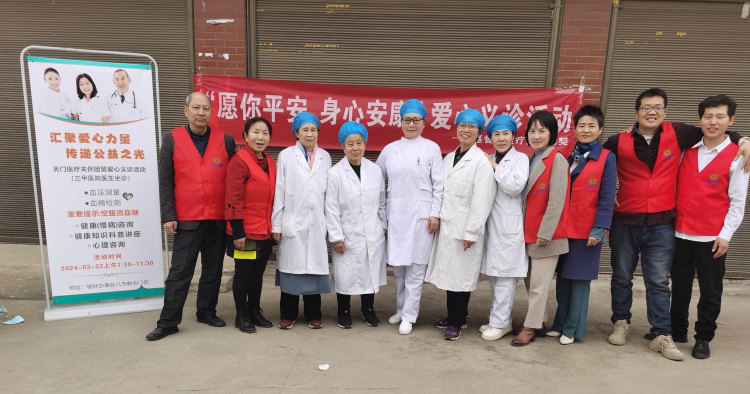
column 667, row 155
column 542, row 188
column 217, row 160
column 713, row 180
column 592, row 184
column 217, row 163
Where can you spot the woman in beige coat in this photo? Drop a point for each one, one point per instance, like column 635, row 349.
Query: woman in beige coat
column 545, row 206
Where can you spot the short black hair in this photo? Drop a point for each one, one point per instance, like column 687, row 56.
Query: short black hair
column 718, row 101
column 653, row 92
column 548, row 121
column 250, row 122
column 50, row 69
column 81, row 95
column 592, row 111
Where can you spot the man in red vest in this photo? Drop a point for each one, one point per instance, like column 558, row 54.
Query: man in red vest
column 711, row 195
column 192, row 183
column 648, row 158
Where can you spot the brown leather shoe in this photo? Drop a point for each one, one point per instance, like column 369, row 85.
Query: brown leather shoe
column 540, row 332
column 526, row 336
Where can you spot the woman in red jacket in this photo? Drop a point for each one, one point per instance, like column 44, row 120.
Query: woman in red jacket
column 251, row 182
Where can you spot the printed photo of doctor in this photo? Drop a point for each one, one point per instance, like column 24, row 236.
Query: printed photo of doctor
column 123, row 102
column 89, row 107
column 55, row 102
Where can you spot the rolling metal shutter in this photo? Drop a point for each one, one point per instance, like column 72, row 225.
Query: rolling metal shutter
column 692, row 50
column 158, row 28
column 427, row 44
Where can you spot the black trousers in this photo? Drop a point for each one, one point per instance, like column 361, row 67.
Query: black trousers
column 345, row 302
column 209, row 240
column 689, row 257
column 247, row 284
column 290, row 306
column 458, row 307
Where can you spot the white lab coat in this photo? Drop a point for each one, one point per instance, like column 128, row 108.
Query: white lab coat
column 57, row 104
column 504, row 248
column 93, row 110
column 299, row 212
column 467, row 201
column 355, row 214
column 413, row 169
column 128, row 110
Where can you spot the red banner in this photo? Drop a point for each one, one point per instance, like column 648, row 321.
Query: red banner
column 236, row 99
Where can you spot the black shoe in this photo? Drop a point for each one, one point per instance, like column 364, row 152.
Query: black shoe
column 370, row 318
column 701, row 351
column 256, row 316
column 243, row 321
column 649, row 336
column 345, row 320
column 212, row 320
column 161, row 332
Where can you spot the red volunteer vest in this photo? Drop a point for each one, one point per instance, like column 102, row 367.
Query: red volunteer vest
column 702, row 197
column 536, row 204
column 199, row 182
column 584, row 194
column 259, row 193
column 640, row 189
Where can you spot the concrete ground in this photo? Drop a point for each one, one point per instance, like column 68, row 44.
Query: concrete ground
column 111, row 355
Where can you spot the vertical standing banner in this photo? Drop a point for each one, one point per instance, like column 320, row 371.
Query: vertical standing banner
column 96, row 144
column 236, row 99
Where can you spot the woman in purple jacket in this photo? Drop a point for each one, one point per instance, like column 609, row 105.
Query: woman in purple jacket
column 593, row 174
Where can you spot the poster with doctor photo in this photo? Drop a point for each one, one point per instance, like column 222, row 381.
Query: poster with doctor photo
column 91, row 92
column 96, row 143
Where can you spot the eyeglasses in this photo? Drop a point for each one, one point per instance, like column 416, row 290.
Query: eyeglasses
column 472, row 127
column 416, row 121
column 647, row 108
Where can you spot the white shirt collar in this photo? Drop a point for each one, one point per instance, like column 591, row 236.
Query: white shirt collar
column 718, row 148
column 117, row 91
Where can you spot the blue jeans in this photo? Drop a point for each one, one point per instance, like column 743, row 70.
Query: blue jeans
column 656, row 245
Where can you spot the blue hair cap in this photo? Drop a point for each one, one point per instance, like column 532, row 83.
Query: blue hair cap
column 350, row 128
column 413, row 106
column 502, row 122
column 303, row 118
column 470, row 116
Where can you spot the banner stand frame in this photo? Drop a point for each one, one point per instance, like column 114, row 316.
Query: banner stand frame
column 106, row 307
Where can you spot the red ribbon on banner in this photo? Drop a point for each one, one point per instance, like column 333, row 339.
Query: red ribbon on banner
column 236, row 99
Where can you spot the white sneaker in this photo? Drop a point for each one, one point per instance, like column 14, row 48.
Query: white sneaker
column 565, row 340
column 395, row 319
column 404, row 328
column 621, row 334
column 484, row 327
column 493, row 334
column 664, row 344
column 553, row 334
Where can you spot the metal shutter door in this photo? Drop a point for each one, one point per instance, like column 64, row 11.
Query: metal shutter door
column 158, row 28
column 431, row 44
column 692, row 50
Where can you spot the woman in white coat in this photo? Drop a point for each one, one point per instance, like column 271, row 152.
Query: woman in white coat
column 413, row 168
column 504, row 260
column 90, row 106
column 469, row 192
column 55, row 102
column 355, row 213
column 299, row 224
